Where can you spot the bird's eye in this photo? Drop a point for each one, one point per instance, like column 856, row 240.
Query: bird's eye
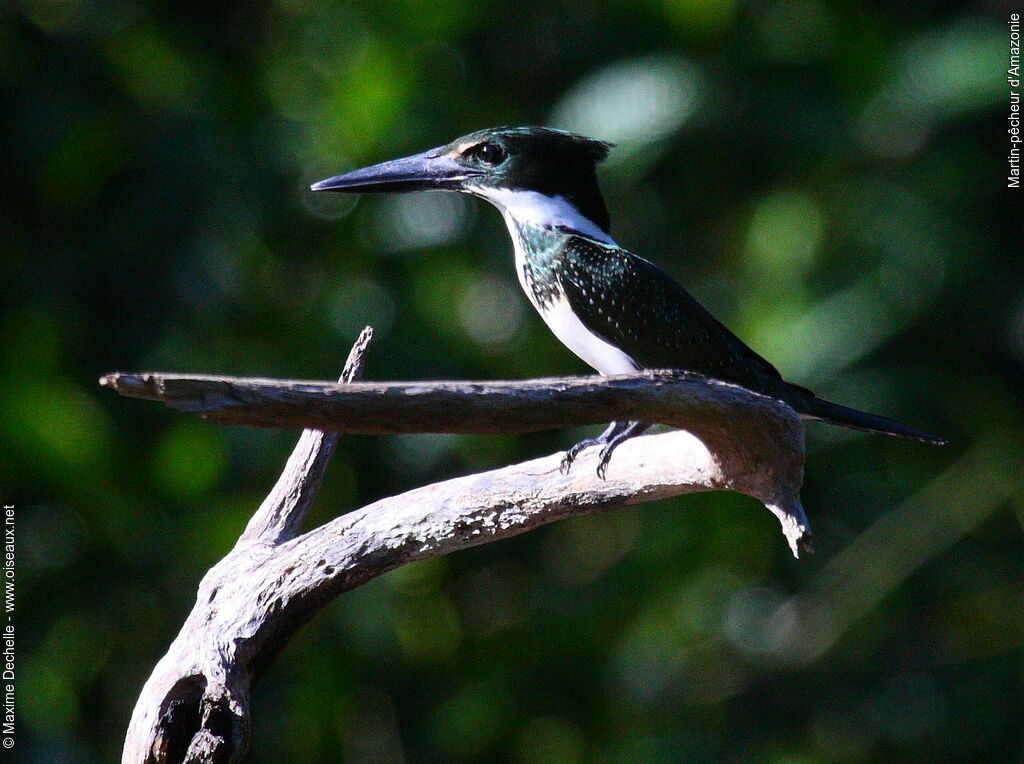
column 488, row 153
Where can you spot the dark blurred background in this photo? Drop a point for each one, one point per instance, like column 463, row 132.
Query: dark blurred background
column 828, row 177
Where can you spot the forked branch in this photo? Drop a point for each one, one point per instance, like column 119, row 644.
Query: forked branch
column 195, row 705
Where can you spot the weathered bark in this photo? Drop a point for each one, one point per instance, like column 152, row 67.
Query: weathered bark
column 195, row 705
column 675, row 398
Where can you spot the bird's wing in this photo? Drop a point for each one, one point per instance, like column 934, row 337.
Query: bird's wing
column 634, row 305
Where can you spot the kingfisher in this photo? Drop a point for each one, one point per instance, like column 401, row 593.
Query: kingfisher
column 615, row 310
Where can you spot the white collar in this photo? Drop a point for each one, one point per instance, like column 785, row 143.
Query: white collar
column 540, row 210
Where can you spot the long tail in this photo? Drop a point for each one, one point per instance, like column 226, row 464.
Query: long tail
column 812, row 407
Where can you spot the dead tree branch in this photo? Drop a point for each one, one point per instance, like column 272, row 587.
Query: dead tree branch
column 675, row 398
column 195, row 705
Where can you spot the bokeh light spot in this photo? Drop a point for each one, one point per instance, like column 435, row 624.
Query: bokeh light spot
column 188, row 459
column 359, row 302
column 785, row 235
column 633, row 103
column 760, row 622
column 491, row 312
column 417, row 221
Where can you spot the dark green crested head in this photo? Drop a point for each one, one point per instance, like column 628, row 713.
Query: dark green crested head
column 540, row 159
column 529, row 158
column 551, row 162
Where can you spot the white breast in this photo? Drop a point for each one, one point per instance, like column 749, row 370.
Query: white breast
column 542, row 211
column 558, row 315
column 606, row 358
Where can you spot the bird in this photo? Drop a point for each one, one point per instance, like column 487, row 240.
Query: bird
column 615, row 310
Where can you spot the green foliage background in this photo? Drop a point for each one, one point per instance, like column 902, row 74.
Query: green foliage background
column 828, row 177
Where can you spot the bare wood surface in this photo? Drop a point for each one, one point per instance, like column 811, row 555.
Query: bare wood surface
column 195, row 705
column 675, row 398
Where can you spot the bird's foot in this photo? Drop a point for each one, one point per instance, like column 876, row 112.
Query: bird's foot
column 605, row 457
column 616, row 434
column 603, row 460
column 576, row 450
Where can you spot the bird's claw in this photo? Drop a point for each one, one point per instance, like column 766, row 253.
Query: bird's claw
column 572, row 453
column 567, row 461
column 617, row 433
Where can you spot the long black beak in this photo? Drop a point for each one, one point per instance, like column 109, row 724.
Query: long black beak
column 431, row 170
